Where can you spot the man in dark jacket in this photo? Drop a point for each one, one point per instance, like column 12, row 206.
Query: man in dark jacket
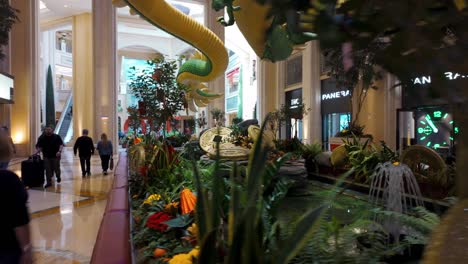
column 85, row 147
column 51, row 146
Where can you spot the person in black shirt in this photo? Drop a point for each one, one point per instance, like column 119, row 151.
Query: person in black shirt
column 15, row 245
column 85, row 146
column 51, row 146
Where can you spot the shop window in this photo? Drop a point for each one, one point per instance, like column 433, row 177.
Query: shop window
column 324, row 64
column 231, row 103
column 332, row 123
column 294, row 122
column 294, row 71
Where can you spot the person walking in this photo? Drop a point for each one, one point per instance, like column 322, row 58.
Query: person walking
column 85, row 146
column 7, row 148
column 51, row 146
column 104, row 147
column 15, row 243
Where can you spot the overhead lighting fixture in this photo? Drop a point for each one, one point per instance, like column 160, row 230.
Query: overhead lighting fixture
column 42, row 5
column 66, row 6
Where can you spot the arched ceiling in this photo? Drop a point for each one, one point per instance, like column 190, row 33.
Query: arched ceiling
column 56, row 10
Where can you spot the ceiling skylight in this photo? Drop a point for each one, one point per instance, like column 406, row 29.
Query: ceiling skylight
column 42, row 5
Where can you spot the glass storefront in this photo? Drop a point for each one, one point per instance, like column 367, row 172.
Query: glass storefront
column 333, row 123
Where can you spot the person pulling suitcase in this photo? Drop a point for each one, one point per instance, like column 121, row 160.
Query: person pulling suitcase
column 51, row 146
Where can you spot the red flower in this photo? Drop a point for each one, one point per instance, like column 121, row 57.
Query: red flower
column 156, row 220
column 144, row 170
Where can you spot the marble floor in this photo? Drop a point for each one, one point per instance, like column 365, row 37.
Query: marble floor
column 66, row 217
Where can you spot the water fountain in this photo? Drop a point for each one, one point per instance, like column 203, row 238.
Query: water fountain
column 394, row 185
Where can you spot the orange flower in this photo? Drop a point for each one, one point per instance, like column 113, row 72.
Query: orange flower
column 159, row 252
column 136, row 140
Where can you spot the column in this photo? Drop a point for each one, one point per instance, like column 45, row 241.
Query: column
column 217, row 85
column 312, row 122
column 267, row 88
column 24, row 50
column 83, row 75
column 105, row 70
column 392, row 97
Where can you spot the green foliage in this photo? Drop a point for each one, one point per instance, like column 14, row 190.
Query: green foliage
column 404, row 37
column 293, row 145
column 364, row 157
column 218, row 115
column 50, row 99
column 253, row 233
column 160, row 95
column 354, row 236
column 7, row 19
column 309, row 151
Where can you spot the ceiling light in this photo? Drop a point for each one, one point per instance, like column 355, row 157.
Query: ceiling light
column 42, row 5
column 66, row 6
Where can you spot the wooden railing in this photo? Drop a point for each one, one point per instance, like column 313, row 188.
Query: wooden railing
column 113, row 240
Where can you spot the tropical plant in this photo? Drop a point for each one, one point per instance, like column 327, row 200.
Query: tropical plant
column 50, row 99
column 160, row 95
column 309, row 152
column 364, row 240
column 7, row 20
column 218, row 116
column 363, row 157
column 246, row 236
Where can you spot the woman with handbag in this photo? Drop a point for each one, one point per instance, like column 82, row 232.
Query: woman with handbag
column 104, row 147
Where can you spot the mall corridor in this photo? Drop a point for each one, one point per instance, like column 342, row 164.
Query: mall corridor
column 66, row 217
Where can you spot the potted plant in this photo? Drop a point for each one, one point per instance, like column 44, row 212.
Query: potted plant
column 309, row 152
column 218, row 116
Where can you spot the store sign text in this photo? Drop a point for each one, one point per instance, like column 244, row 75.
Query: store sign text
column 448, row 76
column 335, row 95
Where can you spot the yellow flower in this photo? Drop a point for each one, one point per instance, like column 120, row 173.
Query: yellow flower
column 396, row 163
column 170, row 206
column 187, row 258
column 152, row 198
column 344, row 130
column 193, row 229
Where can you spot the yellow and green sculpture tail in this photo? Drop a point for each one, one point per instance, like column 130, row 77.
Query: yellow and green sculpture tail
column 198, row 69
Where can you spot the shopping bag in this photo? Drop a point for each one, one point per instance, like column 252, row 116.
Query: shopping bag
column 111, row 165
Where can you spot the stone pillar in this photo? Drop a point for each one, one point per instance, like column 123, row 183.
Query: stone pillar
column 268, row 94
column 392, row 97
column 83, row 75
column 311, row 92
column 105, row 70
column 217, row 85
column 24, row 62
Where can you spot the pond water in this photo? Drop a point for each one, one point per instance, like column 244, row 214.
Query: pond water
column 346, row 209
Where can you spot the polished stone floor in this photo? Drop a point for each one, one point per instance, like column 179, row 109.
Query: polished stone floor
column 66, row 217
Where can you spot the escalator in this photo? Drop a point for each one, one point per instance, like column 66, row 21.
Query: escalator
column 64, row 125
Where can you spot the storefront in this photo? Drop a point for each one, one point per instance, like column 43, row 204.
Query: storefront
column 293, row 102
column 426, row 119
column 6, row 88
column 335, row 108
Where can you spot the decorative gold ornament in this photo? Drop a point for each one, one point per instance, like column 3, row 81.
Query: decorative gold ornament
column 227, row 150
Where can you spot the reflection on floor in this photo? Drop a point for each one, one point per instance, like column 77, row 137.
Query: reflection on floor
column 66, row 217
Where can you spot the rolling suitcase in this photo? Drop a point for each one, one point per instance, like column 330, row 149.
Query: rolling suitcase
column 32, row 171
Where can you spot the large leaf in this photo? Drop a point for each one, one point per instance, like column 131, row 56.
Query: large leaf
column 180, row 221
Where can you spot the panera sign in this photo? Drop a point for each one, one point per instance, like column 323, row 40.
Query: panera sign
column 335, row 95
